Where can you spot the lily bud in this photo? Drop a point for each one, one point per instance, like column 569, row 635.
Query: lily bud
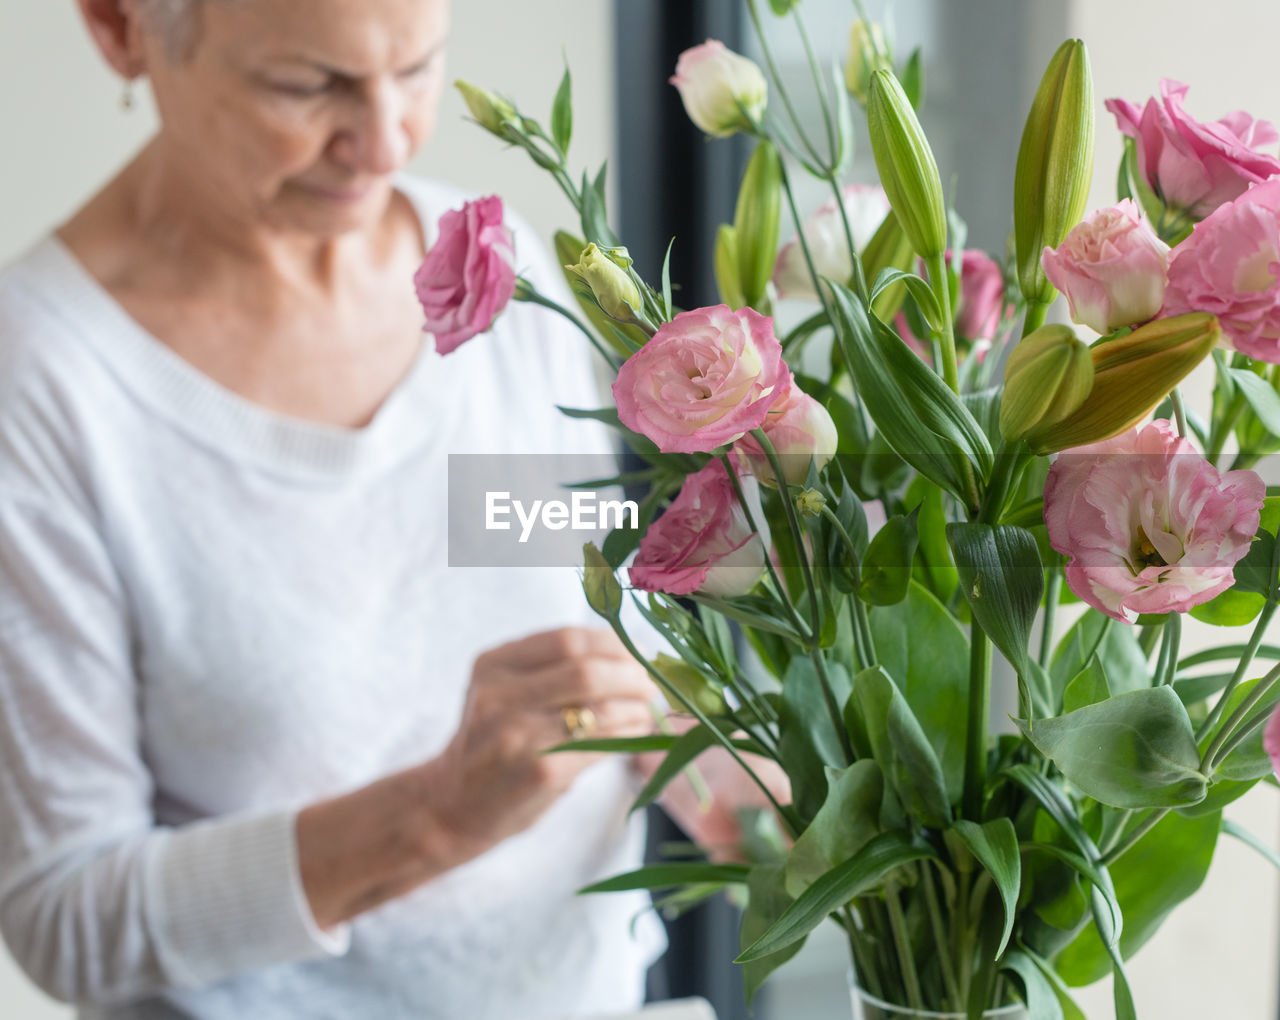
column 723, row 92
column 1131, row 376
column 604, row 593
column 725, row 263
column 906, row 165
column 610, row 282
column 1048, row 376
column 491, row 112
column 755, row 222
column 868, row 52
column 1055, row 165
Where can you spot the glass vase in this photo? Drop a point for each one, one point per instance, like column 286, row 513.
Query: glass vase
column 867, row 1007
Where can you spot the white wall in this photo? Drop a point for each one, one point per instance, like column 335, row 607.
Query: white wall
column 62, row 133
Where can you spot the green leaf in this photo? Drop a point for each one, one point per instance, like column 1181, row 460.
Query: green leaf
column 925, row 423
column 1002, row 579
column 919, row 290
column 1112, row 642
column 618, row 745
column 995, row 846
column 595, row 224
column 1257, row 572
column 662, row 876
column 886, row 567
column 683, row 751
column 862, row 872
column 1260, row 396
column 848, row 819
column 1231, row 608
column 767, row 901
column 666, row 280
column 807, row 741
column 562, row 114
column 1038, row 993
column 1178, row 850
column 1135, row 750
column 899, row 745
column 1088, row 687
column 926, row 652
column 1249, row 760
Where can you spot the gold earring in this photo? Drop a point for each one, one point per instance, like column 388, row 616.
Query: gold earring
column 126, row 95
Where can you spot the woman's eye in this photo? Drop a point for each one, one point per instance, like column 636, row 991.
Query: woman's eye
column 302, row 90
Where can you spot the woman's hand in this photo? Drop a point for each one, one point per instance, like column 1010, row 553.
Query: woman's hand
column 493, row 780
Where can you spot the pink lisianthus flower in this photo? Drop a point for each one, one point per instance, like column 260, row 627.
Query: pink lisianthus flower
column 1149, row 525
column 866, row 206
column 977, row 315
column 1112, row 268
column 702, row 380
column 703, row 542
column 1230, row 267
column 1271, row 740
column 1190, row 165
column 800, row 430
column 468, row 275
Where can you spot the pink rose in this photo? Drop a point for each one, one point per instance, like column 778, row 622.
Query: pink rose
column 800, row 430
column 1111, row 267
column 1230, row 267
column 468, row 275
column 978, row 312
column 866, row 205
column 703, row 541
column 1192, row 165
column 1149, row 524
column 704, row 379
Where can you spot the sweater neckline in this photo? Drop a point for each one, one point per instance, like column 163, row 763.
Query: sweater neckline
column 236, row 426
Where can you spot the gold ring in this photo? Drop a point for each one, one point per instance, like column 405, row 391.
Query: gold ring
column 579, row 722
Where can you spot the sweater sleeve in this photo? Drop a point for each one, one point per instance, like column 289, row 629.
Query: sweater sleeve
column 97, row 904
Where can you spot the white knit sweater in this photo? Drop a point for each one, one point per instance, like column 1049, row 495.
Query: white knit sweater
column 212, row 615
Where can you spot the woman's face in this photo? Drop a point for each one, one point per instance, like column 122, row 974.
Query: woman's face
column 294, row 116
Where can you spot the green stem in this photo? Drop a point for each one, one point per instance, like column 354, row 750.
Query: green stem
column 1053, row 589
column 975, row 746
column 940, row 937
column 1034, row 317
column 793, row 525
column 937, row 265
column 1244, row 733
column 819, row 87
column 898, row 922
column 1179, row 412
column 1126, row 844
column 1242, row 667
column 1222, row 427
column 833, row 709
column 855, row 261
column 865, row 974
column 1167, row 665
column 529, row 294
column 800, row 626
column 777, row 83
column 1213, row 755
column 785, row 814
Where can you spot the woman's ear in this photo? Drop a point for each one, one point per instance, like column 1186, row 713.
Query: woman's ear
column 116, row 29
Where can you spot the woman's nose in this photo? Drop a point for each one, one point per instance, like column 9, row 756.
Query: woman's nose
column 374, row 138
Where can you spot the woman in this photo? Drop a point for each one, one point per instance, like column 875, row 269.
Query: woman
column 262, row 754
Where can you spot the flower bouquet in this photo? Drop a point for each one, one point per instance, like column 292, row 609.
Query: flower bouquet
column 914, row 481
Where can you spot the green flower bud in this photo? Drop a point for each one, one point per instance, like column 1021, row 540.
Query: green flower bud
column 1131, row 376
column 810, row 503
column 610, row 282
column 691, row 683
column 906, row 165
column 568, row 248
column 491, row 112
column 868, row 52
column 603, row 592
column 755, row 222
column 1055, row 165
column 1047, row 377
